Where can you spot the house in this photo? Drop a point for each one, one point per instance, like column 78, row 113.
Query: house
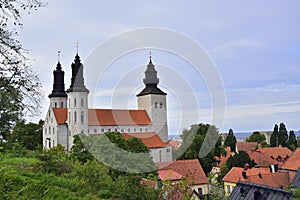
column 159, row 150
column 293, row 163
column 252, row 191
column 245, row 146
column 69, row 113
column 188, row 169
column 236, row 174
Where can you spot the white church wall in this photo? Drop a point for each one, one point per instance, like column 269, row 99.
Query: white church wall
column 163, row 154
column 121, row 129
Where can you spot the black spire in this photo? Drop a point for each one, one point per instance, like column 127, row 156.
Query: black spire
column 151, row 81
column 77, row 81
column 58, row 82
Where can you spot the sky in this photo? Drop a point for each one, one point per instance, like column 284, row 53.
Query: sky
column 254, row 46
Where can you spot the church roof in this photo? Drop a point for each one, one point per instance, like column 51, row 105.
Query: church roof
column 116, row 117
column 61, row 115
column 150, row 139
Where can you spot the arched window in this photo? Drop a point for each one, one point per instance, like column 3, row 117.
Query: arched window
column 75, row 117
column 156, row 104
column 53, row 130
column 82, row 117
column 69, row 118
column 49, row 130
column 61, row 104
column 160, row 105
column 75, row 102
column 55, row 105
column 82, row 102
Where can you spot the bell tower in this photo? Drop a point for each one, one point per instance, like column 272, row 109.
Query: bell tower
column 77, row 101
column 153, row 100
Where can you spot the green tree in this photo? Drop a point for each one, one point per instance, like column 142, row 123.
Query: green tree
column 239, row 160
column 230, row 140
column 20, row 88
column 282, row 135
column 292, row 141
column 274, row 137
column 79, row 151
column 192, row 141
column 29, row 135
column 256, row 137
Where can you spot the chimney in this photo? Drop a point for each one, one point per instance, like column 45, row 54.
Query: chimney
column 246, row 166
column 244, row 174
column 259, row 175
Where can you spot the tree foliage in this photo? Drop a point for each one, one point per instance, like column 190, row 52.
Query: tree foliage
column 279, row 136
column 274, row 137
column 19, row 86
column 256, row 137
column 239, row 160
column 292, row 141
column 192, row 141
column 230, row 140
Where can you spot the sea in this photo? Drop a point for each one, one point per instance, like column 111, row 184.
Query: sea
column 240, row 136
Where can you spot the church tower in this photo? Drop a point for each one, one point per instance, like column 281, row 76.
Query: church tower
column 58, row 97
column 77, row 101
column 153, row 100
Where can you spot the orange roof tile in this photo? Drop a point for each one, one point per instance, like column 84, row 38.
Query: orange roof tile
column 150, row 139
column 169, row 174
column 187, row 168
column 293, row 163
column 261, row 159
column 276, row 180
column 114, row 117
column 275, row 152
column 61, row 115
column 222, row 158
column 235, row 174
column 175, row 144
column 246, row 146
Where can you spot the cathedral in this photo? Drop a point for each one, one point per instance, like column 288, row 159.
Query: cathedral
column 69, row 113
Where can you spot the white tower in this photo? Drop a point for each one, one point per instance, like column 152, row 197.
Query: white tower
column 77, row 102
column 153, row 100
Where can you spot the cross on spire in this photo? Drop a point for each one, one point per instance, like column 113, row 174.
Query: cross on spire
column 58, row 55
column 77, row 45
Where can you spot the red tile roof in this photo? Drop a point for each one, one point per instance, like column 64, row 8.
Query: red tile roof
column 150, row 139
column 114, row 117
column 261, row 159
column 275, row 152
column 175, row 144
column 293, row 163
column 276, row 180
column 246, row 146
column 235, row 174
column 169, row 174
column 190, row 169
column 222, row 158
column 61, row 115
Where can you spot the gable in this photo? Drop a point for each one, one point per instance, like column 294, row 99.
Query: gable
column 61, row 115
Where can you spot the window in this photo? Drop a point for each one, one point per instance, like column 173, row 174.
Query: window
column 53, row 143
column 61, row 104
column 116, row 130
column 168, row 150
column 88, row 130
column 82, row 117
column 55, row 105
column 75, row 102
column 82, row 102
column 146, row 129
column 53, row 130
column 156, row 105
column 141, row 130
column 75, row 117
column 128, row 130
column 51, row 119
column 228, row 188
column 134, row 129
column 49, row 130
column 102, row 130
column 45, row 131
column 69, row 118
column 160, row 105
column 95, row 130
column 122, row 130
column 109, row 130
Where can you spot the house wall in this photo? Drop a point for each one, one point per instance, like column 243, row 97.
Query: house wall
column 228, row 187
column 63, row 136
column 163, row 154
column 204, row 188
column 122, row 129
column 50, row 130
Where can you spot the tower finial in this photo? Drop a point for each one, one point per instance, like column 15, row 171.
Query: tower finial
column 77, row 44
column 58, row 55
column 150, row 56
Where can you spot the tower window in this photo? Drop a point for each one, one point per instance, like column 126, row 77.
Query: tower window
column 156, row 104
column 82, row 117
column 75, row 102
column 55, row 105
column 160, row 105
column 75, row 117
column 61, row 104
column 82, row 102
column 128, row 130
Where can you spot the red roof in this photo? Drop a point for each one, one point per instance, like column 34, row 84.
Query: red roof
column 293, row 163
column 169, row 174
column 112, row 117
column 150, row 139
column 222, row 158
column 61, row 115
column 261, row 159
column 246, row 146
column 275, row 152
column 276, row 180
column 235, row 174
column 175, row 144
column 187, row 168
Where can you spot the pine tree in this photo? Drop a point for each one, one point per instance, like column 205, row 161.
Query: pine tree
column 230, row 141
column 292, row 141
column 282, row 135
column 274, row 137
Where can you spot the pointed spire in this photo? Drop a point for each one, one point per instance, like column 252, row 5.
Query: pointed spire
column 58, row 81
column 151, row 80
column 150, row 62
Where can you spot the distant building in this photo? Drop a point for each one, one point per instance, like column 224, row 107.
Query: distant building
column 246, row 146
column 69, row 113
